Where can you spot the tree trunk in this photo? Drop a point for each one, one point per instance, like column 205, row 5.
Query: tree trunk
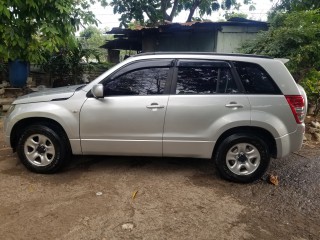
column 164, row 4
column 152, row 19
column 173, row 11
column 193, row 9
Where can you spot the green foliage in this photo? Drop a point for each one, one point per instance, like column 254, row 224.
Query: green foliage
column 134, row 25
column 29, row 29
column 68, row 65
column 291, row 35
column 159, row 11
column 229, row 15
column 89, row 32
column 92, row 38
column 2, row 67
column 311, row 84
column 3, row 71
column 297, row 5
column 296, row 36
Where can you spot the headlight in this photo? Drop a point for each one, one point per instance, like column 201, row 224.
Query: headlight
column 10, row 110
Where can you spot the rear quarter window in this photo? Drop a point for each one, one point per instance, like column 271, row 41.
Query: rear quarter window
column 255, row 79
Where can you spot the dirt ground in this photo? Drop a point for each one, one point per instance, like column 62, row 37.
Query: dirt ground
column 154, row 198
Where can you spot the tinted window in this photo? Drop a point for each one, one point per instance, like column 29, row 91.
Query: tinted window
column 205, row 80
column 226, row 82
column 138, row 82
column 255, row 79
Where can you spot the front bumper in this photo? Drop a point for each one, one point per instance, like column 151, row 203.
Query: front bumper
column 5, row 132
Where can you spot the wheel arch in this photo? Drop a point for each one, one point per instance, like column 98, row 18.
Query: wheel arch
column 18, row 128
column 257, row 131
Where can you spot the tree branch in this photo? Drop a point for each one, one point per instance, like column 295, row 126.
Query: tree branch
column 173, row 11
column 164, row 7
column 149, row 15
column 193, row 9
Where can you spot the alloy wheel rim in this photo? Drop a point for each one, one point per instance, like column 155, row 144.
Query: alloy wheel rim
column 39, row 150
column 243, row 159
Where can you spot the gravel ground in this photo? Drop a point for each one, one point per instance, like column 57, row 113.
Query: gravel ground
column 155, row 198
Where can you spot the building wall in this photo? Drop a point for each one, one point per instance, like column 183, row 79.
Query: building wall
column 230, row 38
column 148, row 43
column 180, row 41
column 226, row 40
column 203, row 41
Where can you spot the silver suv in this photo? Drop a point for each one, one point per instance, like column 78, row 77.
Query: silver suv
column 239, row 110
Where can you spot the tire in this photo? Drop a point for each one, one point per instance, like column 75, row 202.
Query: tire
column 43, row 149
column 242, row 157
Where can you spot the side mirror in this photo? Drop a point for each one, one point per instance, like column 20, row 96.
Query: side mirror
column 97, row 91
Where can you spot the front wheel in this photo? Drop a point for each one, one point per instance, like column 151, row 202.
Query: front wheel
column 242, row 157
column 42, row 149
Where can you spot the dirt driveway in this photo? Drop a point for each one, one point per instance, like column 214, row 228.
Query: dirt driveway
column 150, row 198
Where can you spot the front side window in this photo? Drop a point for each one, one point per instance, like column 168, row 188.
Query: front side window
column 255, row 79
column 205, row 80
column 145, row 81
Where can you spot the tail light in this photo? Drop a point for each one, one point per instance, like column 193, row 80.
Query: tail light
column 296, row 103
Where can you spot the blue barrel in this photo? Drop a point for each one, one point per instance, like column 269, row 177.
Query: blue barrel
column 18, row 73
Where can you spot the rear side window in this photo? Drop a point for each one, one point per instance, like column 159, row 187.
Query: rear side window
column 255, row 79
column 205, row 80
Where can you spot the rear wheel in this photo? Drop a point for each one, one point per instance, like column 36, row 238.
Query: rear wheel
column 242, row 157
column 42, row 149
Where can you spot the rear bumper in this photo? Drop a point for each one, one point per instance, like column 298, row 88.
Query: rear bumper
column 291, row 142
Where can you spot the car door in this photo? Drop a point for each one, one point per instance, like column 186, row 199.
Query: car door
column 205, row 101
column 129, row 119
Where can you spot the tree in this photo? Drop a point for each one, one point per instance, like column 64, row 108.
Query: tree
column 159, row 11
column 235, row 14
column 297, row 5
column 67, row 66
column 293, row 35
column 32, row 28
column 296, row 36
column 92, row 38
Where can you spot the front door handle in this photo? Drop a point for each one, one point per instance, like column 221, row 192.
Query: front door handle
column 154, row 105
column 234, row 105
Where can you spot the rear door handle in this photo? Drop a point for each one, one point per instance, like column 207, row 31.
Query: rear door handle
column 154, row 105
column 234, row 105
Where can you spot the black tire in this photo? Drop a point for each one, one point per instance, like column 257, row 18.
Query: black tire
column 242, row 166
column 48, row 148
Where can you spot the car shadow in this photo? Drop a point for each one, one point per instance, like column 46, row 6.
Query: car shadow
column 92, row 163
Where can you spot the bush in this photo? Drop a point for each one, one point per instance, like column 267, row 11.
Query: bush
column 296, row 36
column 311, row 84
column 68, row 66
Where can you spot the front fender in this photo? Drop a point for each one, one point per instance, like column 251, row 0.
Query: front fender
column 66, row 113
column 66, row 118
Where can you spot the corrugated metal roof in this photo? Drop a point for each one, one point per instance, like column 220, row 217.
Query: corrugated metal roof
column 191, row 25
column 132, row 38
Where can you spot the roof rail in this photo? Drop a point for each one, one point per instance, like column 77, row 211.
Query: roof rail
column 204, row 53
